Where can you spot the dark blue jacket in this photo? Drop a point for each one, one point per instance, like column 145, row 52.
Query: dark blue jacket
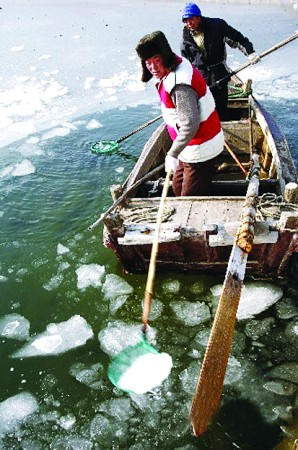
column 216, row 34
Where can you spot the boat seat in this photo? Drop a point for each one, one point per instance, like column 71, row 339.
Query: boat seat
column 239, row 187
column 218, row 188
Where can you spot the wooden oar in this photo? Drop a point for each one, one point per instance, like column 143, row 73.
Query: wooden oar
column 154, row 251
column 206, row 400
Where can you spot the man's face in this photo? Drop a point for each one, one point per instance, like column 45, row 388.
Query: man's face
column 156, row 66
column 192, row 23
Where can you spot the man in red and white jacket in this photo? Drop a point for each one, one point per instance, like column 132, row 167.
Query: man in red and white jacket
column 188, row 110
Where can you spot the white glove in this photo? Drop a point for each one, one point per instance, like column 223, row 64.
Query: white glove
column 171, row 163
column 254, row 58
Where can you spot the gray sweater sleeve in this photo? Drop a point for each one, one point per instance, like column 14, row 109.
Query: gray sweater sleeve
column 186, row 101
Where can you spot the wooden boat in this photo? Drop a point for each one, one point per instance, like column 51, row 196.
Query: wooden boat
column 197, row 233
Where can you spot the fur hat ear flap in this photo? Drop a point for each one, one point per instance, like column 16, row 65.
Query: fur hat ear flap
column 146, row 75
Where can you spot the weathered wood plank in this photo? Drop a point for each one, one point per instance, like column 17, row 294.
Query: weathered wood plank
column 226, row 234
column 143, row 234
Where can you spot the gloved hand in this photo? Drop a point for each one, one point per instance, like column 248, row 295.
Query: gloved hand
column 171, row 163
column 254, row 58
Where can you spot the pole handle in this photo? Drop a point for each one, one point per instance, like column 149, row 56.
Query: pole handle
column 154, row 250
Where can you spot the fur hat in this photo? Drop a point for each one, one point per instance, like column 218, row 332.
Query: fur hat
column 153, row 44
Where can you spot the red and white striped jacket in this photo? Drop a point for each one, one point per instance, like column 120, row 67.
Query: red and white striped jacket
column 208, row 141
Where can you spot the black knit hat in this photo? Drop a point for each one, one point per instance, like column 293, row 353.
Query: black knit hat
column 155, row 44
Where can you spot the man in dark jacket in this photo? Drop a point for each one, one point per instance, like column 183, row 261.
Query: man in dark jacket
column 203, row 44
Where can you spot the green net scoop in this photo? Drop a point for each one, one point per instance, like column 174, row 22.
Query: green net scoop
column 104, row 147
column 125, row 359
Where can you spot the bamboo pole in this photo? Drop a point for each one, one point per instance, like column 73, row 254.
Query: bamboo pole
column 149, row 290
column 206, row 400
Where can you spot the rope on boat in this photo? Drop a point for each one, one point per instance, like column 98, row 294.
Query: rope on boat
column 271, row 205
column 147, row 214
column 237, row 92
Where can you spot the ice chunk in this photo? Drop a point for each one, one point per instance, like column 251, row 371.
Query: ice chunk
column 156, row 309
column 67, row 422
column 53, row 282
column 286, row 309
column 119, row 335
column 291, row 332
column 15, row 410
column 191, row 313
column 3, row 278
column 286, row 371
column 202, row 337
column 146, row 372
column 234, row 371
column 93, row 124
column 197, row 288
column 120, row 408
column 115, row 286
column 216, row 290
column 14, row 326
column 90, row 375
column 280, row 387
column 117, row 302
column 23, row 168
column 257, row 328
column 255, row 298
column 102, row 429
column 89, row 275
column 189, row 377
column 61, row 249
column 171, row 286
column 58, row 338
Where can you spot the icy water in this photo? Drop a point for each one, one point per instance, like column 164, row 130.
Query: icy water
column 66, row 307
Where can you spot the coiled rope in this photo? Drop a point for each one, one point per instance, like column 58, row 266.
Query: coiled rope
column 271, row 205
column 237, row 92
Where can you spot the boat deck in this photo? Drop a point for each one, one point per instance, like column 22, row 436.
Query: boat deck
column 191, row 212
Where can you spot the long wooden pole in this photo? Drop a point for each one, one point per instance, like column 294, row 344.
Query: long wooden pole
column 149, row 290
column 236, row 159
column 206, row 400
column 124, row 195
column 261, row 55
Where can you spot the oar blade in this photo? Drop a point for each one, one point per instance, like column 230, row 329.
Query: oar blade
column 206, row 400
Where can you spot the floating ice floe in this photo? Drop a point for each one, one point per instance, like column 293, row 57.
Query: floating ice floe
column 191, row 313
column 60, row 131
column 23, row 168
column 255, row 298
column 14, row 326
column 58, row 338
column 171, row 286
column 89, row 275
column 93, row 124
column 15, row 410
column 119, row 335
column 53, row 283
column 89, row 374
column 61, row 249
column 115, row 286
column 116, row 290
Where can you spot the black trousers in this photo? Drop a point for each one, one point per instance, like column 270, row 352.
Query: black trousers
column 220, row 94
